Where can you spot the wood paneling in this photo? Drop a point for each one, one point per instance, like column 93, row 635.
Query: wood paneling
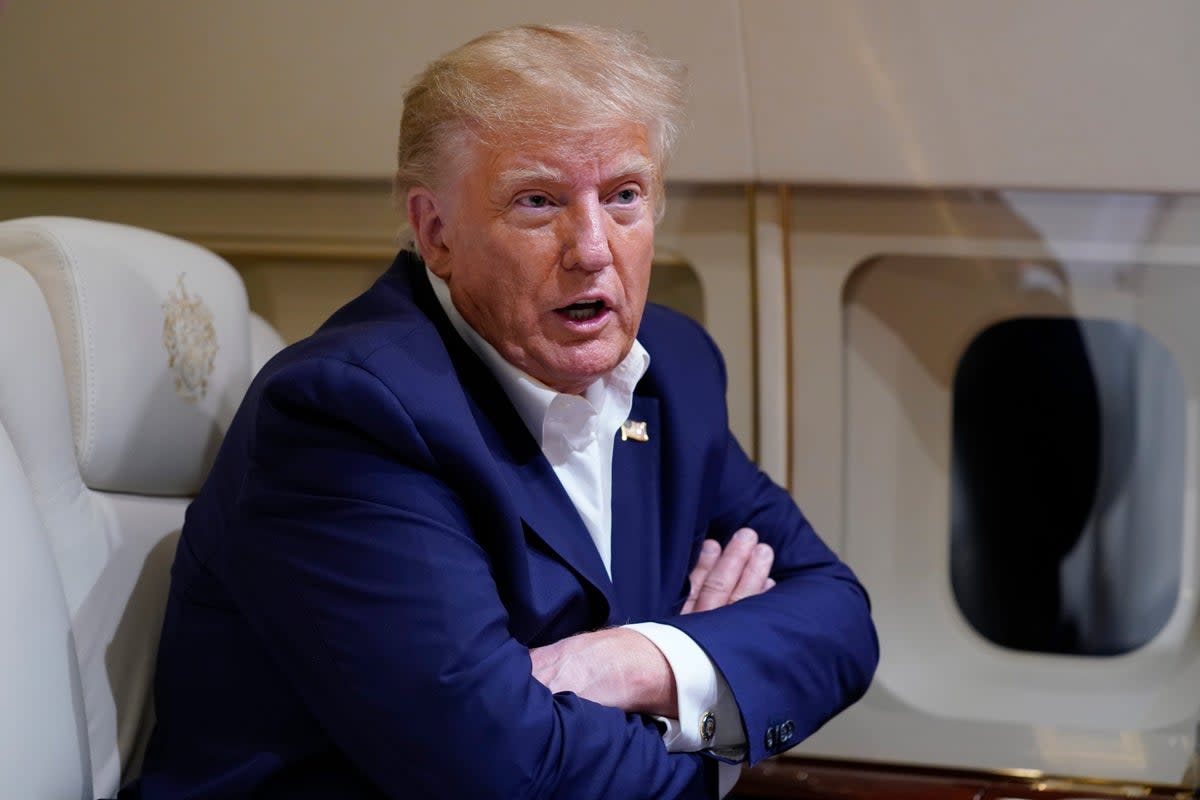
column 801, row 779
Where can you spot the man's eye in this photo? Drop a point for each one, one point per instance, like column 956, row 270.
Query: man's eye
column 534, row 201
column 627, row 196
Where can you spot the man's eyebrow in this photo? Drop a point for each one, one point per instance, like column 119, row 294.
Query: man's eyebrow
column 636, row 165
column 534, row 173
column 544, row 173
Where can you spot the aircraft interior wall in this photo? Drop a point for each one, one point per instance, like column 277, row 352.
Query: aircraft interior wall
column 1032, row 568
column 1086, row 94
column 848, row 318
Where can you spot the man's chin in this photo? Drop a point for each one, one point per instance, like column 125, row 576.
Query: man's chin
column 570, row 367
column 576, row 377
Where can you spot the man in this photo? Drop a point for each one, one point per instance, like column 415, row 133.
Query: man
column 486, row 533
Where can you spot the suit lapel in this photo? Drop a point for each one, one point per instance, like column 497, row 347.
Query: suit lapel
column 636, row 518
column 536, row 491
column 551, row 516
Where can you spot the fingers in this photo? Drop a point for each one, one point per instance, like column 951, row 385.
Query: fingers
column 755, row 573
column 710, row 551
column 725, row 577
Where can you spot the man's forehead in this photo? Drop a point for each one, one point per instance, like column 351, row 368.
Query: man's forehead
column 609, row 152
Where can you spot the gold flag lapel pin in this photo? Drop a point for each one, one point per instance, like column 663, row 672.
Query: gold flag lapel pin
column 635, row 430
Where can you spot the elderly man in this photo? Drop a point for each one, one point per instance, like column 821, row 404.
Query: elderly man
column 486, row 533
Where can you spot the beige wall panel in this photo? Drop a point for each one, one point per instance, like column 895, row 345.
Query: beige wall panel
column 296, row 296
column 871, row 450
column 1037, row 93
column 772, row 318
column 708, row 230
column 830, row 233
column 297, row 87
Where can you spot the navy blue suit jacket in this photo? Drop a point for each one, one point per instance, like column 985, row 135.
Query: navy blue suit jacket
column 381, row 540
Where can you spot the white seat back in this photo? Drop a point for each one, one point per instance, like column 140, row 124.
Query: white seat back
column 43, row 729
column 154, row 340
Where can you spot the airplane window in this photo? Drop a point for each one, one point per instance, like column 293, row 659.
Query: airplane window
column 1067, row 485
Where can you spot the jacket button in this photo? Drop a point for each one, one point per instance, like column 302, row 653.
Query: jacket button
column 787, row 731
column 769, row 739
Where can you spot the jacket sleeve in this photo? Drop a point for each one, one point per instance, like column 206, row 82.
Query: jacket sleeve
column 364, row 576
column 800, row 653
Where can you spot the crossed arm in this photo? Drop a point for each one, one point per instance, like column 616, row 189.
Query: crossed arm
column 363, row 577
column 374, row 631
column 620, row 668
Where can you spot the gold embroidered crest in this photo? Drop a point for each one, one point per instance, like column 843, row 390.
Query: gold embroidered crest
column 191, row 341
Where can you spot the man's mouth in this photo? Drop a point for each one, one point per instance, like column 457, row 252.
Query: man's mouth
column 582, row 312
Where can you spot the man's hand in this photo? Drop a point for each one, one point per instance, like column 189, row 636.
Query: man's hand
column 621, row 668
column 614, row 667
column 720, row 578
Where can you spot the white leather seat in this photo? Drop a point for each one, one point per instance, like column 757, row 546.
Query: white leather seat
column 43, row 729
column 115, row 413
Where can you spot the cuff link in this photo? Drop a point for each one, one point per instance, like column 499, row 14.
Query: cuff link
column 779, row 735
column 708, row 727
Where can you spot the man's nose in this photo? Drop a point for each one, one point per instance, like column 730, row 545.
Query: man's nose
column 588, row 246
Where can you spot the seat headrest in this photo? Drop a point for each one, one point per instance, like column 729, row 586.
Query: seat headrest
column 154, row 337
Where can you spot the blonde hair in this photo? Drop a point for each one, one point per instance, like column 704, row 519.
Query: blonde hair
column 535, row 79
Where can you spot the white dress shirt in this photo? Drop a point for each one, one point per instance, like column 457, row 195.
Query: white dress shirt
column 577, row 434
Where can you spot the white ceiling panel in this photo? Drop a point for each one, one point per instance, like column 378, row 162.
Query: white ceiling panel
column 1036, row 93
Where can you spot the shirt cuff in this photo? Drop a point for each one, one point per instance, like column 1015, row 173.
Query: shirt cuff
column 708, row 715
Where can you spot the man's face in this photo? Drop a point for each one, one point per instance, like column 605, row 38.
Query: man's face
column 547, row 246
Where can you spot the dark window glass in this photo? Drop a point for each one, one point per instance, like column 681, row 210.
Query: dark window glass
column 1067, row 485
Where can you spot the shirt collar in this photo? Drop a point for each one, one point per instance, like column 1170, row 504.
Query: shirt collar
column 532, row 398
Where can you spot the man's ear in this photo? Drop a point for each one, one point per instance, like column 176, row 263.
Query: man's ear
column 426, row 218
